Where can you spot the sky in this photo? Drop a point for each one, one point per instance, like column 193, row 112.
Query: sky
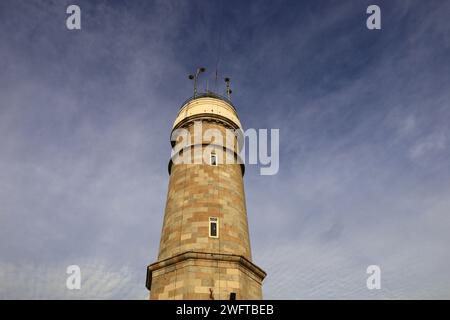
column 364, row 177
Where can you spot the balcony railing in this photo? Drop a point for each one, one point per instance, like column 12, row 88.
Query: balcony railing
column 209, row 94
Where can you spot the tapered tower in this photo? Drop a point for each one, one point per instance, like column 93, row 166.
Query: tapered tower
column 205, row 247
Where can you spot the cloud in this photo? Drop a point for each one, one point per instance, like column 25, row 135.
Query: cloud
column 363, row 116
column 98, row 281
column 432, row 143
column 412, row 265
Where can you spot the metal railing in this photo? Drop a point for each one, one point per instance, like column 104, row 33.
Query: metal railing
column 208, row 94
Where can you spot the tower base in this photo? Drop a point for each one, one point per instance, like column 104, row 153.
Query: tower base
column 205, row 276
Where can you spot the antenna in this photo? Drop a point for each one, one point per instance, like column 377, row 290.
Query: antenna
column 215, row 80
column 219, row 45
column 227, row 81
column 195, row 77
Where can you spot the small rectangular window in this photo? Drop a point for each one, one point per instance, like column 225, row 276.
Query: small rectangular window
column 213, row 227
column 213, row 159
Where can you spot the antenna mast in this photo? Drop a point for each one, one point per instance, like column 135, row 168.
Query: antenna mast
column 229, row 91
column 219, row 44
column 195, row 77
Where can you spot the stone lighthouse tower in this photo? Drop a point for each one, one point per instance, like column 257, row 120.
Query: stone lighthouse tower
column 205, row 247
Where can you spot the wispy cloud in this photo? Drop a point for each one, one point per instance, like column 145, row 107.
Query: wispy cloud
column 364, row 179
column 48, row 281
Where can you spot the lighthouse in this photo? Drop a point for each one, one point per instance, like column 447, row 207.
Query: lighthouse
column 205, row 249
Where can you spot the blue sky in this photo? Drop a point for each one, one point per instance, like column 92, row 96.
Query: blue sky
column 85, row 119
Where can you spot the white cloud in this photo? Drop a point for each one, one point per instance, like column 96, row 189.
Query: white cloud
column 48, row 281
column 85, row 120
column 432, row 143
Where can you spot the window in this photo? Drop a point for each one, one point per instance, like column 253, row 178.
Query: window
column 213, row 227
column 213, row 159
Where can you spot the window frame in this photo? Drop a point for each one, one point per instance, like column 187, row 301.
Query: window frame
column 211, row 156
column 214, row 220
